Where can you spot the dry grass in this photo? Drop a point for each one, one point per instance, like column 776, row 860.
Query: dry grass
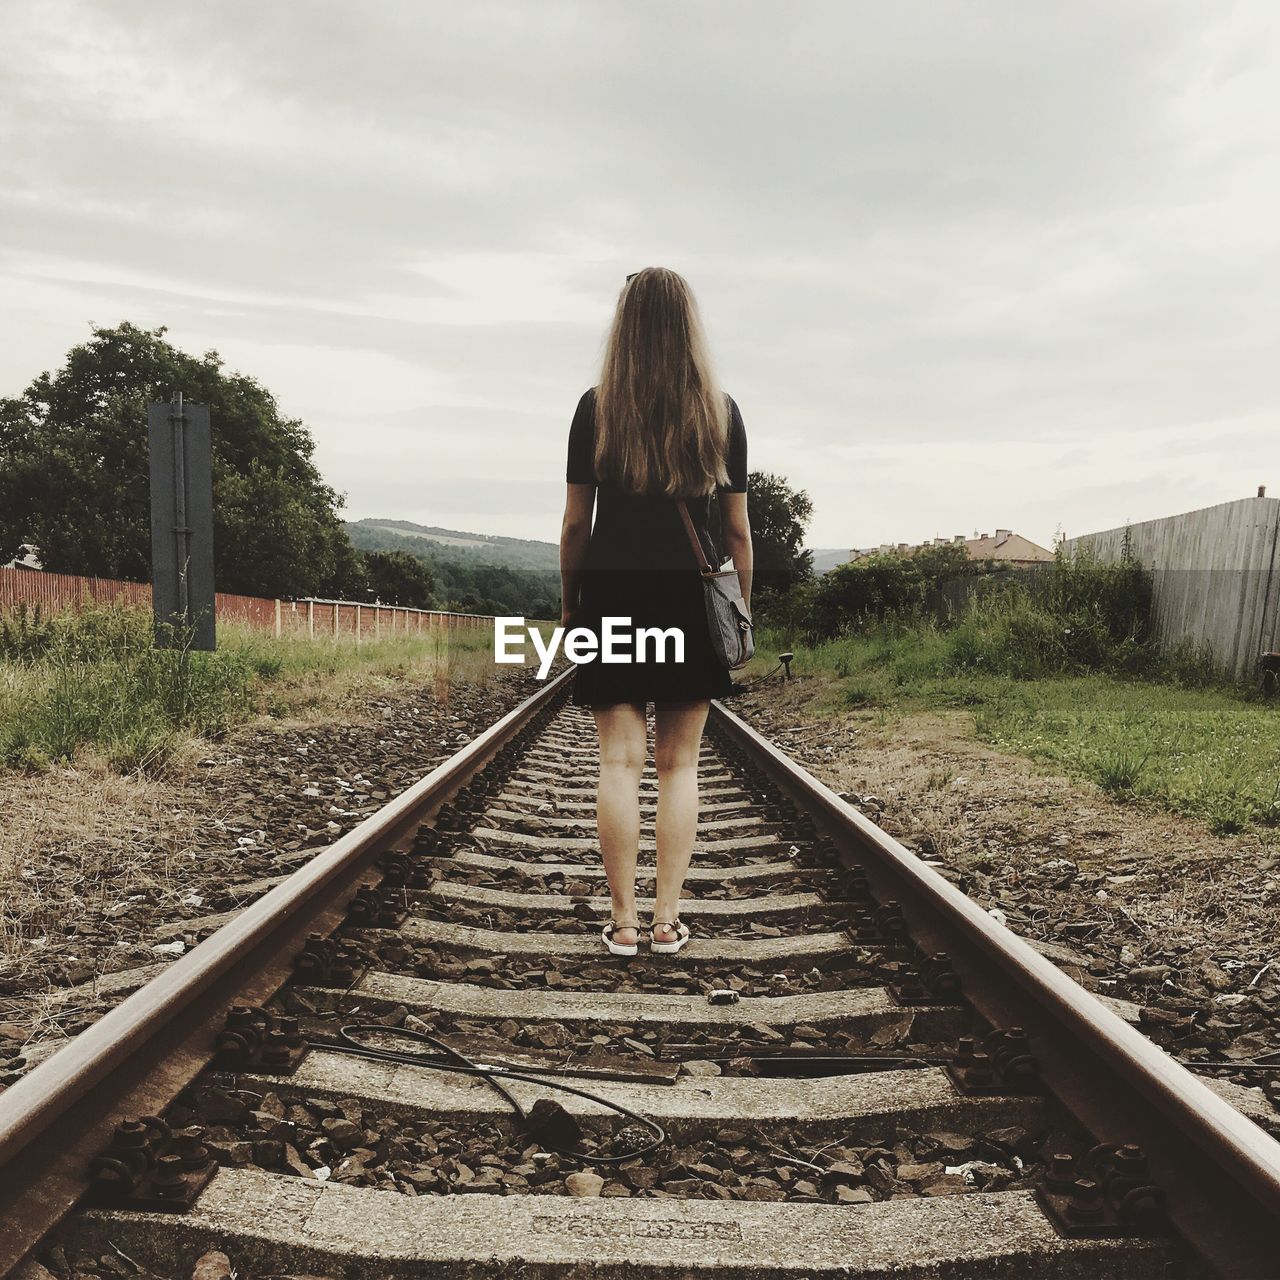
column 77, row 843
column 319, row 678
column 88, row 854
column 96, row 680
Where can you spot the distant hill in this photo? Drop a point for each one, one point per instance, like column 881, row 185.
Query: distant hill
column 452, row 545
column 459, row 549
column 826, row 558
column 474, row 572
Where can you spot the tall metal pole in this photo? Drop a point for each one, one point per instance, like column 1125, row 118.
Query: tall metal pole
column 183, row 591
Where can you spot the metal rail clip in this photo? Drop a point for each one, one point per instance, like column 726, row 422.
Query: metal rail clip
column 147, row 1165
column 1000, row 1063
column 256, row 1039
column 1108, row 1192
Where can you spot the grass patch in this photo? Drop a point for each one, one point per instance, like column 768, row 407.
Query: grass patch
column 856, row 693
column 94, row 679
column 1209, row 753
column 1185, row 741
column 1118, row 768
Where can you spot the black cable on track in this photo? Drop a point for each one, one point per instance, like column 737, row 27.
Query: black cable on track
column 461, row 1064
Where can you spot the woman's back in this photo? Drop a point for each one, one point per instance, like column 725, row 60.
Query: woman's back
column 644, row 531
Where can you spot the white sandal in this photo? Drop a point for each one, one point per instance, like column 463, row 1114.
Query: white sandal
column 619, row 948
column 669, row 948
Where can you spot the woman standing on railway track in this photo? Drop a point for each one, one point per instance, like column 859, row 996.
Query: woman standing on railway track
column 655, row 430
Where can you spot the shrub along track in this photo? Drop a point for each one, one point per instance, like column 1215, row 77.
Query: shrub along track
column 807, row 1089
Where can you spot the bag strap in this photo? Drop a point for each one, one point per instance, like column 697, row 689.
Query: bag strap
column 704, row 565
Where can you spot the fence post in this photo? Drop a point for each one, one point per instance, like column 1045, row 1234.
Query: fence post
column 278, row 623
column 336, row 607
column 357, row 625
column 311, row 619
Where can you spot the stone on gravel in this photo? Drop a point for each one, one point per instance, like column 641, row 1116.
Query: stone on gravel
column 221, row 1107
column 33, row 1270
column 1150, row 973
column 343, row 1134
column 212, row 1266
column 700, row 1068
column 584, row 1184
column 940, row 1143
column 944, row 1184
column 854, row 1195
column 1015, row 1141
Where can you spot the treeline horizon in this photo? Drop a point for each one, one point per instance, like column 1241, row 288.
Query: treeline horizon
column 74, row 484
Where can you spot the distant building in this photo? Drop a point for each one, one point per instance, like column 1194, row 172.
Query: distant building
column 28, row 557
column 1005, row 546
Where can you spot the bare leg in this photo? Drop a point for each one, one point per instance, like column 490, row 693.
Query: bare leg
column 677, row 737
column 622, row 750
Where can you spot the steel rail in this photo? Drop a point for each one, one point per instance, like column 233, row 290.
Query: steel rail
column 138, row 1057
column 1220, row 1171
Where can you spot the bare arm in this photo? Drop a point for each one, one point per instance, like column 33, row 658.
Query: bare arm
column 575, row 532
column 736, row 530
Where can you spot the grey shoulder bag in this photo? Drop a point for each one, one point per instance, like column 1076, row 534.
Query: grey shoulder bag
column 727, row 616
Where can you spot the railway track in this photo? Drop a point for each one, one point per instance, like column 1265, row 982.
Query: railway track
column 851, row 1070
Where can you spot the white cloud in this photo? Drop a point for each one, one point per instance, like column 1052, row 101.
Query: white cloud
column 1017, row 263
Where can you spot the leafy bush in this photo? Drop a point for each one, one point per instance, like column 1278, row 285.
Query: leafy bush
column 932, row 614
column 96, row 633
column 96, row 679
column 882, row 585
column 24, row 632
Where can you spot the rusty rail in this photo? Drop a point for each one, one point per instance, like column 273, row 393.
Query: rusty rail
column 1220, row 1171
column 140, row 1055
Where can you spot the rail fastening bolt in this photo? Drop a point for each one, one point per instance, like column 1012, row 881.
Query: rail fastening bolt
column 1061, row 1173
column 1085, row 1204
column 168, row 1181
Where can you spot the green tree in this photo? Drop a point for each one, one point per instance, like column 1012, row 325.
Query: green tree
column 74, row 472
column 396, row 577
column 877, row 586
column 779, row 515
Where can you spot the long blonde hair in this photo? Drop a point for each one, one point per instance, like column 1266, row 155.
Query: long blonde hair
column 662, row 422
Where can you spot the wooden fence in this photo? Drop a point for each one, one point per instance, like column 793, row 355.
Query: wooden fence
column 54, row 592
column 1215, row 577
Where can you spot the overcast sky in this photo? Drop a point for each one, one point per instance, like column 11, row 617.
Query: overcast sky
column 963, row 265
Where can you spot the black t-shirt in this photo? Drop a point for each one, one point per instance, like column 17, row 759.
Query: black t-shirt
column 645, row 531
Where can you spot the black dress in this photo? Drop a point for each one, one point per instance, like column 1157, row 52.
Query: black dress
column 639, row 565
